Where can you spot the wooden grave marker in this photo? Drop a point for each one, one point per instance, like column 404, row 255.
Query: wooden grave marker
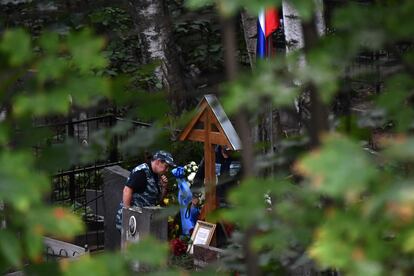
column 211, row 126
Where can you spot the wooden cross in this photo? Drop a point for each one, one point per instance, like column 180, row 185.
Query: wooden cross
column 211, row 126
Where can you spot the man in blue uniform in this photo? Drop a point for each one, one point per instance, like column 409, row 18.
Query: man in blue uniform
column 147, row 184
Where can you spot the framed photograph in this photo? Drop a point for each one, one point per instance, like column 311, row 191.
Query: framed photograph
column 202, row 234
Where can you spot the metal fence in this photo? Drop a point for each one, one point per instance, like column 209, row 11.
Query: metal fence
column 366, row 72
column 81, row 188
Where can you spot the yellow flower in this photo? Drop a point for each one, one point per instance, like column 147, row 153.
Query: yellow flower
column 166, row 201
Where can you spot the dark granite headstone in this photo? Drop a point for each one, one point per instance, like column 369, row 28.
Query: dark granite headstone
column 140, row 222
column 114, row 181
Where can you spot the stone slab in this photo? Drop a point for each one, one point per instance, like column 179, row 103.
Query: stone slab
column 62, row 249
column 114, row 181
column 204, row 254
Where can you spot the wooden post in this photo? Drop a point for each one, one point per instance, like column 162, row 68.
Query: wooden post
column 210, row 167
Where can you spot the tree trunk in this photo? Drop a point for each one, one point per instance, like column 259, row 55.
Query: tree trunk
column 320, row 18
column 249, row 24
column 243, row 128
column 301, row 35
column 154, row 31
column 319, row 115
column 293, row 26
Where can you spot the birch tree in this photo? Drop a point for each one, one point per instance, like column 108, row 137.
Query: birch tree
column 249, row 23
column 293, row 25
column 155, row 39
column 300, row 35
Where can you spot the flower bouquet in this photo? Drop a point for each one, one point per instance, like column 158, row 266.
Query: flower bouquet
column 190, row 171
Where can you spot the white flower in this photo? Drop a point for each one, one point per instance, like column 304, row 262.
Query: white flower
column 191, row 176
column 190, row 168
column 268, row 199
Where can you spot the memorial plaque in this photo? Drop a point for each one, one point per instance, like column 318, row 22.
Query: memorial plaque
column 202, row 234
column 140, row 222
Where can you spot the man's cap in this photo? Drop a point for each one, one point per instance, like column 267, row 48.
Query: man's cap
column 164, row 156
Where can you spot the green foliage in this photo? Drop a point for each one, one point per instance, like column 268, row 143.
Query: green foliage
column 200, row 41
column 400, row 149
column 52, row 73
column 93, row 266
column 329, row 168
column 151, row 106
column 14, row 188
column 249, row 202
column 17, row 45
column 230, row 7
column 122, row 45
column 392, row 101
column 341, row 205
column 349, row 208
column 66, row 74
column 248, row 91
column 22, row 185
column 83, row 48
column 10, row 248
column 150, row 252
column 113, row 17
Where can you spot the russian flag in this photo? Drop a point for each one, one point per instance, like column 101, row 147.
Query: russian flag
column 267, row 23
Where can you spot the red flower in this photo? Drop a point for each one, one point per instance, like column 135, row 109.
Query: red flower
column 178, row 247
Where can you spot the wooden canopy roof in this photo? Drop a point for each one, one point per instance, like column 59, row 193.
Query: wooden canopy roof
column 220, row 130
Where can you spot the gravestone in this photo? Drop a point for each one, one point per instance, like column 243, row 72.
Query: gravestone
column 114, row 180
column 56, row 249
column 205, row 255
column 140, row 222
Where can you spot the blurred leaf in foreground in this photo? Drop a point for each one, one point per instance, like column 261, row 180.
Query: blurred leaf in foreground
column 338, row 168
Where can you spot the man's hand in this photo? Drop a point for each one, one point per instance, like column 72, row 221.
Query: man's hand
column 164, row 185
column 164, row 181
